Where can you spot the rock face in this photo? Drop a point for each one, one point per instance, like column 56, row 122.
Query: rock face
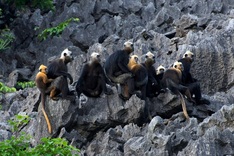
column 108, row 125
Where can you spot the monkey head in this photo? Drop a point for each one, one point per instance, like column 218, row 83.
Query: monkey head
column 178, row 65
column 188, row 54
column 149, row 58
column 160, row 70
column 134, row 58
column 95, row 57
column 128, row 46
column 133, row 61
column 43, row 69
column 66, row 56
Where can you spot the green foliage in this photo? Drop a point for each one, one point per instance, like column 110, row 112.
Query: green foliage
column 18, row 121
column 6, row 89
column 15, row 145
column 6, row 37
column 57, row 30
column 54, row 146
column 23, row 85
column 20, row 146
column 42, row 4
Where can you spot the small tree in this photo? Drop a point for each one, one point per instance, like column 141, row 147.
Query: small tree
column 20, row 144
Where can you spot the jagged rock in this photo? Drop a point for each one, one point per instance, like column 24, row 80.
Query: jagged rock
column 22, row 74
column 215, row 135
column 112, row 141
column 108, row 125
column 104, row 112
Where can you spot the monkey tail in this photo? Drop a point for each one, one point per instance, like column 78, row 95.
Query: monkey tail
column 183, row 106
column 44, row 112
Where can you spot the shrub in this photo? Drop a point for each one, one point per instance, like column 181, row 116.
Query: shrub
column 57, row 30
column 23, row 85
column 15, row 145
column 6, row 89
column 6, row 37
column 20, row 145
column 18, row 121
column 54, row 146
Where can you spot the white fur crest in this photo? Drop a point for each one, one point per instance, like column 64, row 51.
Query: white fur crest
column 149, row 54
column 178, row 65
column 188, row 54
column 67, row 52
column 128, row 44
column 95, row 55
column 160, row 69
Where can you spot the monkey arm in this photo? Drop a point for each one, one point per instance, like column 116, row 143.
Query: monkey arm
column 45, row 79
column 152, row 76
column 63, row 73
column 123, row 67
column 83, row 74
column 49, row 80
column 152, row 79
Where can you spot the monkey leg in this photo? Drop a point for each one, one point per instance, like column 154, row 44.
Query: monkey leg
column 177, row 89
column 93, row 92
column 195, row 89
column 121, row 79
column 63, row 87
column 184, row 90
column 131, row 87
column 143, row 92
column 136, row 88
column 53, row 93
column 124, row 94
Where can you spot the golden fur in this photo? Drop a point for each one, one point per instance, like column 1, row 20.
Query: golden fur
column 41, row 83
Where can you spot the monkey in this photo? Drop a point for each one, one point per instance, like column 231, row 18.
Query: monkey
column 92, row 81
column 172, row 80
column 57, row 70
column 140, row 78
column 138, row 83
column 116, row 65
column 41, row 81
column 152, row 87
column 160, row 70
column 159, row 75
column 187, row 60
column 188, row 80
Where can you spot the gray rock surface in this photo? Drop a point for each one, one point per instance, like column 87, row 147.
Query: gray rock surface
column 108, row 125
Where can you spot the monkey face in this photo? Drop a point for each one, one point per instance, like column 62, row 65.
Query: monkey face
column 128, row 46
column 134, row 58
column 95, row 57
column 43, row 69
column 188, row 54
column 160, row 70
column 149, row 57
column 66, row 55
column 178, row 65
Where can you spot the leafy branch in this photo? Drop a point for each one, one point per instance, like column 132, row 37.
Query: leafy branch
column 6, row 38
column 6, row 89
column 57, row 30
